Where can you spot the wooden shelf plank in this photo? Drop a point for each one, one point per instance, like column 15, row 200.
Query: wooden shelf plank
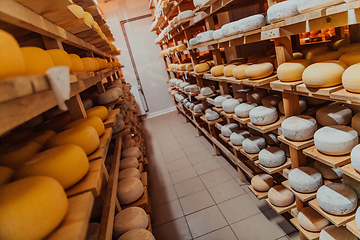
column 318, row 91
column 202, row 97
column 353, row 228
column 225, row 139
column 267, row 128
column 336, row 220
column 281, row 210
column 111, row 120
column 284, row 86
column 287, row 164
column 250, row 156
column 217, row 109
column 241, row 120
column 103, row 147
column 332, row 161
column 350, row 171
column 309, row 235
column 144, row 178
column 304, row 197
column 75, row 224
column 344, row 95
column 297, row 145
column 211, row 122
column 259, row 195
column 260, row 82
column 236, row 148
column 228, row 115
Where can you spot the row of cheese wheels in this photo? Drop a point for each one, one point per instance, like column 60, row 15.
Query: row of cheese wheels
column 36, row 61
column 171, row 50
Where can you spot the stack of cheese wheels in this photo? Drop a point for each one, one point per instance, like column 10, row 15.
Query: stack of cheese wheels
column 302, row 105
column 243, row 109
column 128, row 143
column 305, row 179
column 250, row 23
column 211, row 115
column 93, row 121
column 299, row 128
column 229, row 105
column 262, row 182
column 263, row 115
column 254, row 144
column 38, row 197
column 328, row 172
column 239, row 71
column 256, row 96
column 293, row 70
column 280, row 196
column 198, row 108
column 350, row 78
column 228, row 70
column 129, row 172
column 128, row 219
column 282, row 10
column 138, row 234
column 217, row 71
column 258, row 71
column 16, row 155
column 229, row 128
column 332, row 233
column 311, row 220
column 60, row 58
column 6, row 175
column 238, row 137
column 334, row 114
column 337, row 199
column 335, row 139
column 272, row 157
column 271, row 100
column 129, row 190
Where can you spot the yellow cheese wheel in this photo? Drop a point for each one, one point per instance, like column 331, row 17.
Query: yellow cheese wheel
column 93, row 121
column 85, row 137
column 351, row 78
column 15, row 156
column 326, row 56
column 100, row 63
column 99, row 111
column 349, row 48
column 6, row 175
column 12, row 61
column 67, row 164
column 31, row 208
column 57, row 123
column 239, row 71
column 324, row 74
column 334, row 46
column 228, row 70
column 297, row 55
column 77, row 10
column 217, row 70
column 292, row 71
column 189, row 67
column 257, row 71
column 77, row 65
column 181, row 48
column 90, row 64
column 350, row 58
column 310, row 52
column 42, row 136
column 60, row 58
column 37, row 60
column 202, row 67
column 88, row 19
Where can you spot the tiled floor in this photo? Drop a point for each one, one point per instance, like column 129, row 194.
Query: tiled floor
column 195, row 195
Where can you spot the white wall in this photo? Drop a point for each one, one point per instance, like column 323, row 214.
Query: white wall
column 149, row 63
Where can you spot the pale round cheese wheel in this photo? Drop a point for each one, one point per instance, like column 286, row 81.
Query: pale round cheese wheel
column 350, row 78
column 218, row 101
column 229, row 105
column 198, row 108
column 205, row 91
column 93, row 231
column 308, row 53
column 256, row 96
column 325, row 56
column 88, row 104
column 310, row 5
column 354, row 184
column 349, row 48
column 129, row 143
column 298, row 55
column 263, row 115
column 117, row 89
column 305, row 179
column 299, row 128
column 185, row 15
column 253, row 144
column 242, row 110
column 193, row 41
column 302, row 105
column 271, row 138
column 202, row 67
column 292, row 71
column 258, row 71
column 130, row 162
column 311, row 220
column 129, row 172
column 262, row 182
column 337, row 199
column 189, row 67
column 271, row 100
column 314, row 101
column 355, row 157
column 335, row 139
column 328, row 172
column 280, row 196
column 238, row 137
column 212, row 115
column 217, row 71
column 238, row 72
column 228, row 70
column 131, row 152
column 272, row 157
column 335, row 45
column 229, row 128
column 324, row 74
column 336, row 233
column 229, row 29
column 217, row 34
column 286, row 149
column 137, row 234
column 129, row 190
column 107, row 97
column 205, row 36
column 250, row 23
column 350, row 58
column 334, row 114
column 282, row 10
column 128, row 219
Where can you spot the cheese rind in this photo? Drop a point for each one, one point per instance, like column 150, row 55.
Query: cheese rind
column 305, row 179
column 262, row 182
column 131, row 152
column 228, row 70
column 250, row 23
column 336, row 233
column 325, row 56
column 350, row 58
column 77, row 64
column 311, row 220
column 60, row 57
column 243, row 109
column 334, row 114
column 129, row 190
column 299, row 128
column 107, row 97
column 205, row 36
column 93, row 121
column 280, row 196
column 238, row 137
column 272, row 157
column 328, row 172
column 129, row 172
column 292, row 71
column 271, row 100
column 349, row 48
column 99, row 111
column 138, row 234
column 202, row 67
column 253, row 144
column 258, row 71
column 229, row 128
column 16, row 155
column 350, row 78
column 239, row 71
column 218, row 101
column 263, row 115
column 128, row 219
column 229, row 105
column 37, row 60
column 129, row 162
column 282, row 10
column 217, row 71
column 256, row 96
column 310, row 5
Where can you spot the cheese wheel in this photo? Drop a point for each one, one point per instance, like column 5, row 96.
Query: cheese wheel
column 229, row 29
column 185, row 15
column 107, row 97
column 335, row 139
column 236, row 138
column 129, row 172
column 328, row 172
column 129, row 190
column 42, row 136
column 355, row 122
column 334, row 114
column 272, row 157
column 32, row 206
column 131, row 152
column 305, row 179
column 271, row 100
column 193, row 41
column 350, row 48
column 336, row 233
column 337, row 198
column 228, row 70
column 254, row 144
column 229, row 105
column 302, row 105
column 88, row 19
column 350, row 58
column 299, row 128
column 37, row 60
column 262, row 182
column 117, row 89
column 217, row 34
column 181, row 48
column 292, row 71
column 205, row 91
column 280, row 196
column 93, row 121
column 324, row 74
column 243, row 109
column 205, row 36
column 311, row 220
column 263, row 115
column 239, row 71
column 298, row 55
column 218, row 101
column 250, row 23
column 189, row 67
column 198, row 108
column 16, row 155
column 282, row 10
column 325, row 56
column 212, row 115
column 229, row 128
column 138, row 234
column 87, row 103
column 350, row 78
column 310, row 5
column 57, row 123
column 256, row 96
column 99, row 111
column 67, row 164
column 202, row 67
column 128, row 219
column 60, row 57
column 129, row 162
column 271, row 138
column 6, row 175
column 77, row 64
column 335, row 45
column 310, row 52
column 77, row 10
column 129, row 143
column 90, row 64
column 85, row 137
column 258, row 71
column 12, row 61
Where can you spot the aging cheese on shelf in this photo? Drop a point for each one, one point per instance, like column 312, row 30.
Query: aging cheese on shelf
column 334, row 114
column 93, row 121
column 129, row 190
column 271, row 138
column 229, row 128
column 349, row 48
column 293, row 70
column 218, row 101
column 228, row 70
column 129, row 143
column 42, row 136
column 262, row 182
column 6, row 175
column 311, row 220
column 12, row 61
column 88, row 103
column 217, row 34
column 138, row 234
column 37, row 60
column 271, row 100
column 351, row 79
column 185, row 15
column 243, row 109
column 77, row 64
column 238, row 137
column 299, row 128
column 305, row 179
column 335, row 45
column 272, row 157
column 298, row 55
column 355, row 157
column 85, row 137
column 128, row 219
column 77, row 10
column 211, row 115
column 229, row 105
column 350, row 58
column 31, row 208
column 131, row 152
column 336, row 233
column 326, row 56
column 129, row 162
column 193, row 41
column 310, row 5
column 129, row 172
column 263, row 115
column 229, row 29
column 308, row 53
column 60, row 57
column 67, row 164
column 99, row 111
column 202, row 67
column 205, row 36
column 205, row 91
column 107, row 97
column 258, row 71
column 328, row 172
column 198, row 108
column 239, row 71
column 88, row 19
column 16, row 155
column 90, row 64
column 254, row 144
column 282, row 10
column 280, row 196
column 256, row 95
column 250, row 23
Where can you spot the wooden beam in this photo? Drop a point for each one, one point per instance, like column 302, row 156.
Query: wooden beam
column 76, row 107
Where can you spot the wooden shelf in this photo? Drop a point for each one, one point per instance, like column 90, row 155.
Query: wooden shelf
column 260, row 82
column 304, row 197
column 217, row 109
column 143, row 202
column 353, row 228
column 297, row 145
column 122, row 133
column 228, row 115
column 236, row 148
column 273, row 170
column 259, row 195
column 241, row 120
column 101, row 152
column 284, row 86
column 344, row 95
column 225, row 139
column 350, row 171
column 317, row 91
column 332, row 161
column 309, row 235
column 336, row 220
column 281, row 210
column 250, row 156
column 111, row 120
column 202, row 97
column 211, row 122
column 267, row 128
column 119, row 101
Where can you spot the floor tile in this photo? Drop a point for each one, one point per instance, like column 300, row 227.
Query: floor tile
column 183, row 174
column 196, row 201
column 207, row 166
column 215, row 177
column 174, row 230
column 189, row 142
column 205, row 221
column 232, row 171
column 178, row 164
column 163, row 195
column 225, row 233
column 280, row 221
column 159, row 181
column 250, row 228
column 200, row 157
column 167, row 212
column 283, row 238
column 174, row 156
column 194, row 149
column 188, row 187
column 170, row 149
column 225, row 191
column 261, row 204
column 294, row 236
column 238, row 208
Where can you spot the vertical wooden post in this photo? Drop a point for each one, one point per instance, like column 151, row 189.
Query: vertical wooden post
column 100, row 87
column 76, row 107
column 51, row 43
column 213, row 133
column 230, row 52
